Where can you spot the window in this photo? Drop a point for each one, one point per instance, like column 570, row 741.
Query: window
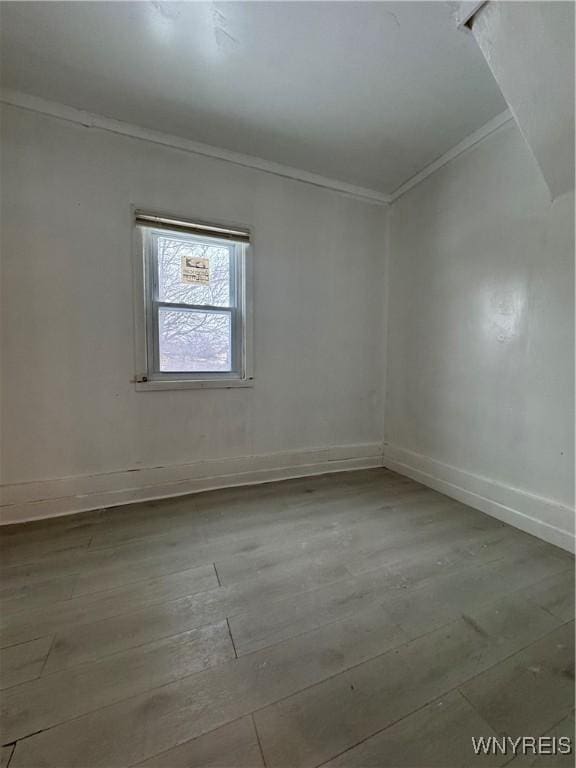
column 194, row 313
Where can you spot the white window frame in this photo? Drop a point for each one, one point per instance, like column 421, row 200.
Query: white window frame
column 146, row 305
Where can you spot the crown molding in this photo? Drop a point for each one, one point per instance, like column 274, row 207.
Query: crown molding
column 470, row 141
column 98, row 122
column 91, row 120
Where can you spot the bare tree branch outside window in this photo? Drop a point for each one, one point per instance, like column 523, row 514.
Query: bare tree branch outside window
column 192, row 340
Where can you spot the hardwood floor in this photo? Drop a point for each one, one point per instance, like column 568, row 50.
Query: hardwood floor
column 348, row 620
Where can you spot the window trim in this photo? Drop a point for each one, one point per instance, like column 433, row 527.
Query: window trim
column 147, row 378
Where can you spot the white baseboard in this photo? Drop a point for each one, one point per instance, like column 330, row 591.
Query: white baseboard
column 545, row 518
column 542, row 517
column 22, row 502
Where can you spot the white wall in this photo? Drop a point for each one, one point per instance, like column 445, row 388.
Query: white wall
column 480, row 385
column 529, row 47
column 479, row 379
column 73, row 425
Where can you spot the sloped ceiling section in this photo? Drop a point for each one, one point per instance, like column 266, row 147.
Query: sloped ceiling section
column 529, row 47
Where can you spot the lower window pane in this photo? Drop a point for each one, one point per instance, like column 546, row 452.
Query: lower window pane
column 194, row 341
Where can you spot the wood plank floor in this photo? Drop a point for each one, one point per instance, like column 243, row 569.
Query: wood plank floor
column 355, row 619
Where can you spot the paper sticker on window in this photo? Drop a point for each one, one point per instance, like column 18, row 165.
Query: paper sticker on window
column 195, row 270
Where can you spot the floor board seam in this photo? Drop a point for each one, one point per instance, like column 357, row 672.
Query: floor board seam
column 28, row 736
column 517, row 651
column 13, row 745
column 386, row 727
column 21, row 642
column 136, row 581
column 96, row 568
column 259, row 741
column 81, row 664
column 185, row 677
column 398, row 647
column 455, row 688
column 142, row 539
column 476, row 710
column 164, row 602
column 252, row 601
column 243, row 654
column 47, row 556
column 378, row 599
column 94, row 596
column 284, row 698
column 47, row 656
column 231, row 638
column 305, row 688
column 142, row 560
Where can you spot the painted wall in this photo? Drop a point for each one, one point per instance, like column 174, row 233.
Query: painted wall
column 480, row 343
column 73, row 423
column 480, row 385
column 529, row 47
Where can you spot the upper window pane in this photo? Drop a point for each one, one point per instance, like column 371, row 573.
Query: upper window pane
column 191, row 271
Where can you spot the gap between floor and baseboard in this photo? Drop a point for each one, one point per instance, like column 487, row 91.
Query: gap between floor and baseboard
column 23, row 502
column 542, row 517
column 545, row 518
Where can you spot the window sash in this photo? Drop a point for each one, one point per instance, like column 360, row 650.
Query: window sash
column 235, row 308
column 203, row 310
column 233, row 248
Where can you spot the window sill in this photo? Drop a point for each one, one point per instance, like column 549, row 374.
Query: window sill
column 158, row 385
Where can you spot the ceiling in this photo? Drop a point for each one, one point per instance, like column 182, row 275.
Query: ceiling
column 366, row 93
